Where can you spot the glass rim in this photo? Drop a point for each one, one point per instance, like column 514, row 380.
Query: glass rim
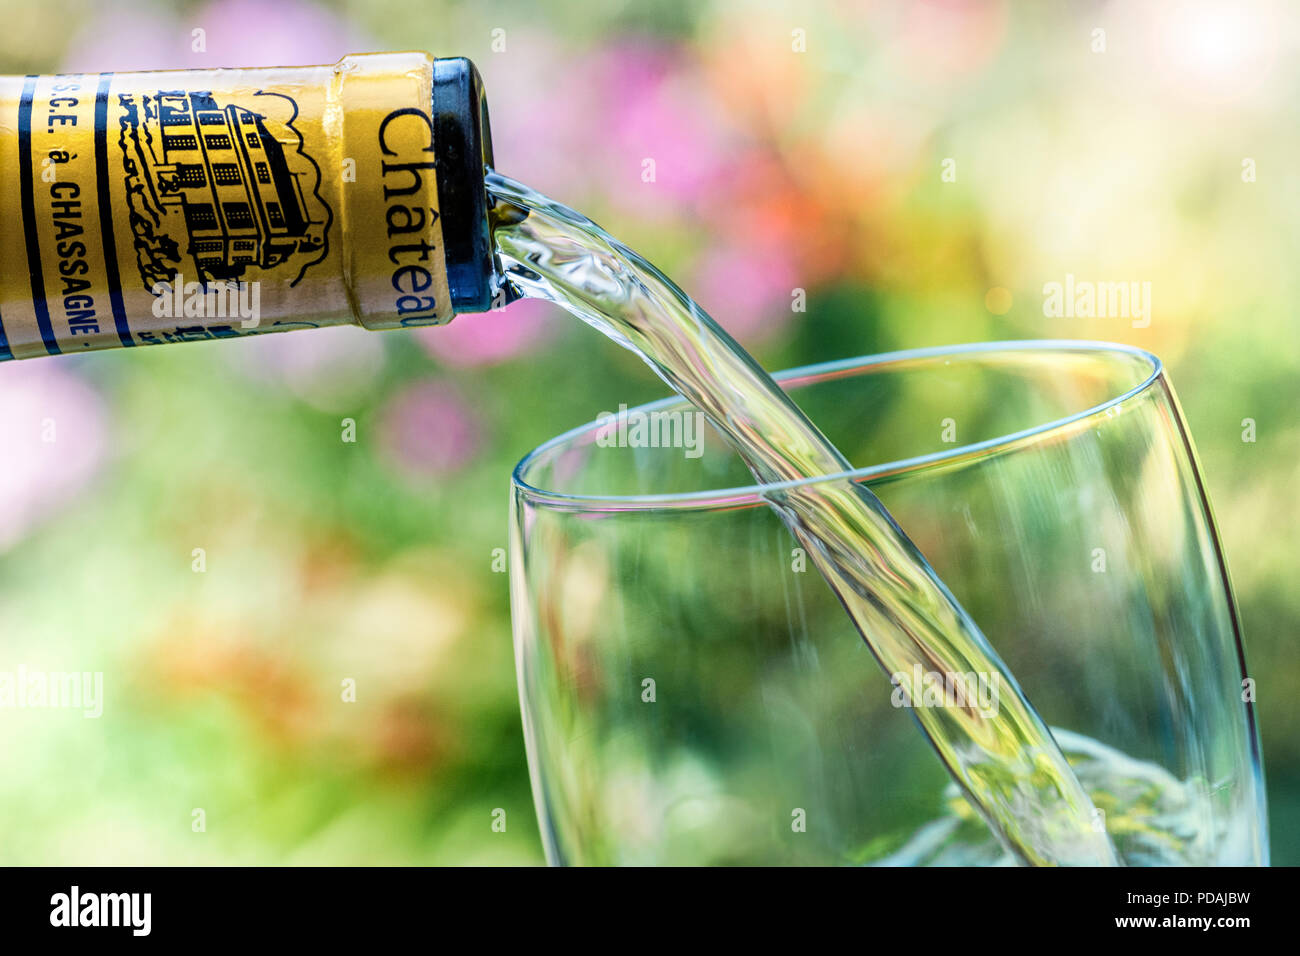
column 758, row 492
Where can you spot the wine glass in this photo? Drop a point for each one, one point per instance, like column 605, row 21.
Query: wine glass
column 693, row 693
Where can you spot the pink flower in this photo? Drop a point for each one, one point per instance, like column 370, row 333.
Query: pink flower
column 544, row 101
column 235, row 33
column 427, row 430
column 490, row 337
column 331, row 369
column 945, row 40
column 52, row 428
column 581, row 126
column 747, row 287
column 669, row 142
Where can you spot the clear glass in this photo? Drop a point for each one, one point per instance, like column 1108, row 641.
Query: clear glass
column 693, row 693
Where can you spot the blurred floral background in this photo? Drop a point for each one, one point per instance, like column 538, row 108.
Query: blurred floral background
column 921, row 169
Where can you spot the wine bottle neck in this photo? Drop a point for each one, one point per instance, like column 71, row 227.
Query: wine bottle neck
column 187, row 205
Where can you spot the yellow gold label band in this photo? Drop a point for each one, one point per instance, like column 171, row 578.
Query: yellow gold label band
column 175, row 206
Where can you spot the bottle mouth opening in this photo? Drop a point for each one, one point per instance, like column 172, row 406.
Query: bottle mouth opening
column 463, row 136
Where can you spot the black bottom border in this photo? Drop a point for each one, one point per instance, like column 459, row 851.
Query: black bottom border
column 908, row 906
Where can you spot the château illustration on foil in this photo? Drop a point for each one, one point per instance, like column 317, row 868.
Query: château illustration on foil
column 220, row 191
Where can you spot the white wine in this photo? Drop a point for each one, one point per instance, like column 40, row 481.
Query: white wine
column 1006, row 762
column 1154, row 818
